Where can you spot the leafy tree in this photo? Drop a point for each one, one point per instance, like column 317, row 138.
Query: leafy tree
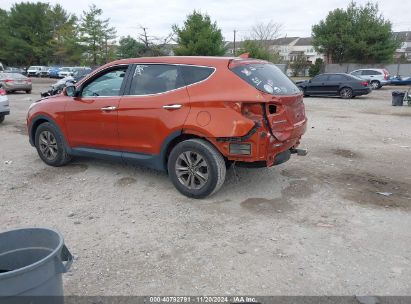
column 96, row 34
column 260, row 50
column 65, row 45
column 315, row 69
column 29, row 32
column 129, row 48
column 199, row 37
column 299, row 64
column 359, row 33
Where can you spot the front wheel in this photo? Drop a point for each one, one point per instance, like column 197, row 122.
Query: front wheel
column 346, row 93
column 50, row 145
column 2, row 118
column 196, row 168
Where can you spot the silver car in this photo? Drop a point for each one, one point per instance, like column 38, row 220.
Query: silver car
column 376, row 77
column 13, row 82
column 4, row 104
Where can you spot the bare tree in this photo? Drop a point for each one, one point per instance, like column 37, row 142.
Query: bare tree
column 266, row 31
column 154, row 46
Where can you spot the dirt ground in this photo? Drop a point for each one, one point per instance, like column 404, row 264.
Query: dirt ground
column 315, row 225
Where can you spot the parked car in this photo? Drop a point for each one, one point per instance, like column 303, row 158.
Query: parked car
column 58, row 87
column 14, row 70
column 37, row 71
column 400, row 80
column 54, row 72
column 1, row 67
column 376, row 77
column 189, row 116
column 12, row 82
column 79, row 74
column 65, row 71
column 4, row 104
column 344, row 85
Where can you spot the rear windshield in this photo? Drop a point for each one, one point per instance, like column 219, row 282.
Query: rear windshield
column 266, row 78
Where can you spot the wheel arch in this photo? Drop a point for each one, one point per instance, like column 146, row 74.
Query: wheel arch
column 39, row 120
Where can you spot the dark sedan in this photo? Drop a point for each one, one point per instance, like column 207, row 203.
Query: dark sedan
column 344, row 85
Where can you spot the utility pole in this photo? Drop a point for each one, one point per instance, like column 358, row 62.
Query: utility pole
column 234, row 43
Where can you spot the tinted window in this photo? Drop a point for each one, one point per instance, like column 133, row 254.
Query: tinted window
column 155, row 78
column 320, row 78
column 193, row 74
column 266, row 78
column 370, row 72
column 356, row 73
column 337, row 78
column 108, row 84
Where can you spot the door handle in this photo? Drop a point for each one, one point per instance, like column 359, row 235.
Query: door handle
column 108, row 108
column 172, row 107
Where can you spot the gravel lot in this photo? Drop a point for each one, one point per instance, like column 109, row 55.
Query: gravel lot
column 312, row 226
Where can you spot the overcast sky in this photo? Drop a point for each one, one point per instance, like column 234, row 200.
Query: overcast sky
column 296, row 16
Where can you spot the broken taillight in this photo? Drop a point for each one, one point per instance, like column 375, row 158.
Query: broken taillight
column 2, row 92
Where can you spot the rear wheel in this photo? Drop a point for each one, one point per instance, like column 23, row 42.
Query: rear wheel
column 2, row 118
column 50, row 145
column 375, row 85
column 28, row 92
column 346, row 93
column 196, row 168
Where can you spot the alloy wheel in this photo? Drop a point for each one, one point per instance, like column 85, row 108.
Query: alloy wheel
column 192, row 170
column 346, row 93
column 48, row 145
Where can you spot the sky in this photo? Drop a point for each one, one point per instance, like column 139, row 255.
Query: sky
column 295, row 16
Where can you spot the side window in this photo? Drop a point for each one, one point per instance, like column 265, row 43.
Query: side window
column 320, row 78
column 356, row 73
column 367, row 72
column 337, row 78
column 108, row 84
column 155, row 78
column 193, row 74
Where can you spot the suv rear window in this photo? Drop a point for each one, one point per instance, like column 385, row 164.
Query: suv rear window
column 193, row 74
column 266, row 78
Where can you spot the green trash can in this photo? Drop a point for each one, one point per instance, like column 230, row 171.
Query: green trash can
column 32, row 262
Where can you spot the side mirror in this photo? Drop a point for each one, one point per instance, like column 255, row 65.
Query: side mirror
column 70, row 91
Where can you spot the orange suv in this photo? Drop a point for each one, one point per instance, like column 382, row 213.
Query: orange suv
column 189, row 116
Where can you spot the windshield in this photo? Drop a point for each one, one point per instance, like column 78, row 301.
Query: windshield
column 266, row 78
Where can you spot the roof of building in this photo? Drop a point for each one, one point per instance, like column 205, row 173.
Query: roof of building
column 283, row 40
column 404, row 36
column 304, row 41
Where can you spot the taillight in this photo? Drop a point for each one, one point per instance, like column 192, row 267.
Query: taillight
column 8, row 80
column 28, row 80
column 364, row 83
column 2, row 92
column 385, row 74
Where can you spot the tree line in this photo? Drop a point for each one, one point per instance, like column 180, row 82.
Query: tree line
column 40, row 33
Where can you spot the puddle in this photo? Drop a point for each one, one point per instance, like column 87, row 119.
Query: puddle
column 125, row 181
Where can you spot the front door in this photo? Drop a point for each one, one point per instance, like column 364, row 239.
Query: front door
column 154, row 109
column 317, row 85
column 91, row 117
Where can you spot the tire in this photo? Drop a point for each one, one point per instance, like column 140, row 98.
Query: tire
column 2, row 118
column 346, row 93
column 375, row 85
column 28, row 92
column 48, row 140
column 197, row 181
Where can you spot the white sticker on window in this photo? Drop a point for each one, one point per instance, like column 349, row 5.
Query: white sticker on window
column 139, row 69
column 246, row 72
column 268, row 88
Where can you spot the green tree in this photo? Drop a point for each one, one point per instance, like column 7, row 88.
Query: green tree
column 260, row 50
column 65, row 45
column 315, row 69
column 299, row 65
column 199, row 37
column 96, row 34
column 129, row 48
column 29, row 33
column 359, row 34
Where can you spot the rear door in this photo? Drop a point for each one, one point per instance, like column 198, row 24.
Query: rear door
column 334, row 83
column 154, row 109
